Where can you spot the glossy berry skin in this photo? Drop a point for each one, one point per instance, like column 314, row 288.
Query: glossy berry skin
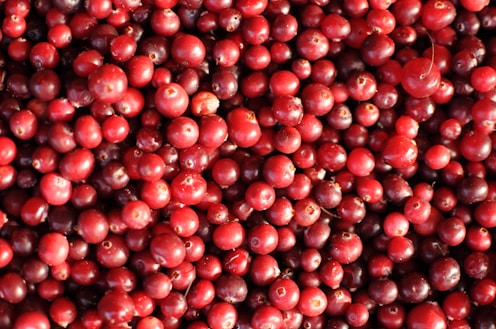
column 116, row 308
column 360, row 162
column 335, row 27
column 400, row 151
column 312, row 44
column 263, row 239
column 86, row 62
column 279, row 171
column 421, row 77
column 222, row 315
column 140, row 71
column 247, row 164
column 331, row 156
column 357, row 314
column 55, row 189
column 474, row 145
column 260, row 196
column 122, row 48
column 108, row 83
column 312, row 301
column 187, row 50
column 426, row 315
column 229, row 235
column 346, row 247
column 377, row 49
column 168, row 250
column 53, row 248
column 63, row 311
column 27, row 319
column 8, row 150
column 78, row 157
column 243, row 127
column 264, row 270
column 483, row 78
column 400, row 249
column 202, row 292
column 7, row 253
column 87, row 132
column 13, row 288
column 438, row 14
column 456, row 305
column 444, row 274
column 184, row 222
column 188, row 187
column 362, row 86
column 437, row 157
column 136, row 214
column 284, row 294
column 92, row 226
column 171, row 100
column 266, row 314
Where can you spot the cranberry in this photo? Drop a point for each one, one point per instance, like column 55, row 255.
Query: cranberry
column 168, row 250
column 483, row 291
column 266, row 314
column 9, row 150
column 421, row 77
column 357, row 314
column 188, row 187
column 392, row 315
column 444, row 274
column 478, row 151
column 312, row 44
column 234, row 231
column 427, row 314
column 171, row 100
column 361, row 86
column 92, row 226
column 312, row 301
column 28, row 318
column 116, row 307
column 264, row 270
column 53, row 248
column 86, row 62
column 13, row 288
column 108, row 83
column 231, row 288
column 284, row 294
column 400, row 151
column 347, row 247
column 483, row 78
column 456, row 305
column 245, row 153
column 222, row 315
column 110, row 253
column 187, row 50
column 243, row 127
column 263, row 239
